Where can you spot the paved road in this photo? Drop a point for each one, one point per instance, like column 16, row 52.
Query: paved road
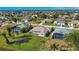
column 43, row 25
column 52, row 26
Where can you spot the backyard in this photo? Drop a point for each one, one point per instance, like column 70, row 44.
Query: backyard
column 34, row 43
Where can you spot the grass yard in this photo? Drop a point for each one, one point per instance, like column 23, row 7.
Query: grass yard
column 59, row 45
column 50, row 24
column 34, row 43
column 33, row 22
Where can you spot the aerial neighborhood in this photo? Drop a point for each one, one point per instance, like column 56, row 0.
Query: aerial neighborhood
column 39, row 30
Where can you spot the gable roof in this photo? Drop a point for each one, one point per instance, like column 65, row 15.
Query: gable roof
column 23, row 25
column 60, row 21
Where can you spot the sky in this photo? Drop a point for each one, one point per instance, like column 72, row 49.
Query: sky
column 39, row 3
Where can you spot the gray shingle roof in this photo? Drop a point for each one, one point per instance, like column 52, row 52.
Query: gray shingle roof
column 63, row 30
column 60, row 21
column 40, row 30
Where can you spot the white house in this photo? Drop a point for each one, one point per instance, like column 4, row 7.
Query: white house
column 73, row 24
column 59, row 22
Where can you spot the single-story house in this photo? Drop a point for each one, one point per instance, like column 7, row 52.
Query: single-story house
column 65, row 16
column 73, row 24
column 13, row 24
column 3, row 18
column 40, row 30
column 1, row 23
column 9, row 23
column 35, row 15
column 59, row 22
column 23, row 25
column 59, row 33
column 18, row 28
column 48, row 21
column 26, row 19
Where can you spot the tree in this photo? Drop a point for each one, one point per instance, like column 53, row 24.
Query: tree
column 55, row 16
column 54, row 46
column 73, row 38
column 76, row 17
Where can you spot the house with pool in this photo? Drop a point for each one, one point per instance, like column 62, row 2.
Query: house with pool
column 59, row 33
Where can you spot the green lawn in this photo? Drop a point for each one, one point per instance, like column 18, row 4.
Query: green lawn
column 34, row 43
column 33, row 22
